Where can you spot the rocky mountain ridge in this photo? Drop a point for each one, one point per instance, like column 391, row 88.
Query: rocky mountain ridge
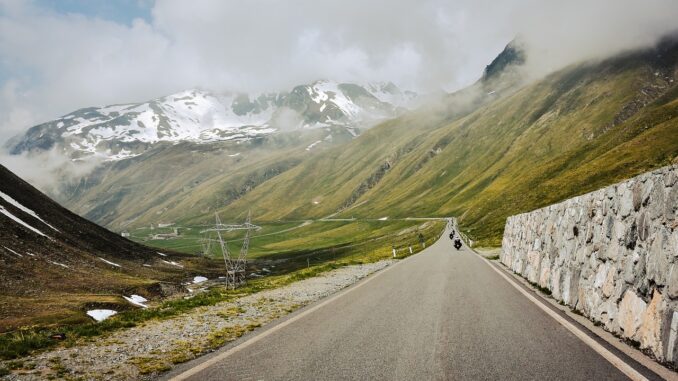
column 126, row 130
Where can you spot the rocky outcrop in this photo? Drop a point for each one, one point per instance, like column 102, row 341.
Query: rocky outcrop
column 611, row 254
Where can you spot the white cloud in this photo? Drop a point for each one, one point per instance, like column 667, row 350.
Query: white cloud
column 564, row 32
column 54, row 63
column 49, row 171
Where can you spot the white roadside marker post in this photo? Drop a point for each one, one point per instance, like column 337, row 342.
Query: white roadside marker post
column 410, row 249
column 394, row 251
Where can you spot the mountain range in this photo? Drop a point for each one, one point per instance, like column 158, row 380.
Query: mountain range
column 123, row 131
column 506, row 144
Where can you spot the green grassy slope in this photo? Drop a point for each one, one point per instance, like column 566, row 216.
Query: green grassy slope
column 172, row 181
column 576, row 130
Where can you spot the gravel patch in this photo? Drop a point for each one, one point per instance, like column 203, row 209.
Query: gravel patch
column 145, row 351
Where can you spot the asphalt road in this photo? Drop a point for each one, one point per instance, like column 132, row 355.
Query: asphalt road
column 440, row 315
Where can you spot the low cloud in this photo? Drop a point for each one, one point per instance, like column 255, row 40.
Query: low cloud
column 566, row 32
column 50, row 171
column 287, row 119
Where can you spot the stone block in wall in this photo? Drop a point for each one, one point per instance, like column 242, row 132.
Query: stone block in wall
column 631, row 311
column 673, row 282
column 670, row 335
column 649, row 334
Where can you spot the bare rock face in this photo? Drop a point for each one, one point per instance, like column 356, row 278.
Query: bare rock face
column 611, row 254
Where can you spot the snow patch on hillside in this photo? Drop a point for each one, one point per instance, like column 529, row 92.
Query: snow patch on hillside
column 12, row 251
column 310, row 147
column 24, row 209
column 199, row 279
column 110, row 263
column 58, row 264
column 173, row 263
column 322, row 91
column 20, row 221
column 137, row 300
column 101, row 315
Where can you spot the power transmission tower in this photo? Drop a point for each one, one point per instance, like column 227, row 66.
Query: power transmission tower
column 235, row 267
column 206, row 244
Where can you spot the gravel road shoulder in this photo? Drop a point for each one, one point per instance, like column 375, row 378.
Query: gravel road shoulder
column 145, row 351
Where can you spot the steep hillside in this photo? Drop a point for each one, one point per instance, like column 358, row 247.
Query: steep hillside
column 55, row 265
column 576, row 130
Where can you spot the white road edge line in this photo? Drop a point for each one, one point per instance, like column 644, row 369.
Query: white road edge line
column 204, row 365
column 606, row 354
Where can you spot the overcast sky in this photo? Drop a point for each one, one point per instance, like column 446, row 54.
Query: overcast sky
column 57, row 56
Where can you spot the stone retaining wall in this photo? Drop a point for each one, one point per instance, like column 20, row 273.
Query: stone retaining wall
column 611, row 254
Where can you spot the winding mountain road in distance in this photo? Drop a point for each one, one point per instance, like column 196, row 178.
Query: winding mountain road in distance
column 442, row 314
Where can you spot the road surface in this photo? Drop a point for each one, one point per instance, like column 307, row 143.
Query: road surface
column 442, row 314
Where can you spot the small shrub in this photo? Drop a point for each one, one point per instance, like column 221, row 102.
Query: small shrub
column 13, row 365
column 180, row 357
column 541, row 289
column 148, row 365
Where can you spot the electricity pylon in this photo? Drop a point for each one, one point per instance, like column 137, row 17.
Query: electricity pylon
column 235, row 267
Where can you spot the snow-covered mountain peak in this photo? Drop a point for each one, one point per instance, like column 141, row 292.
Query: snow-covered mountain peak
column 120, row 131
